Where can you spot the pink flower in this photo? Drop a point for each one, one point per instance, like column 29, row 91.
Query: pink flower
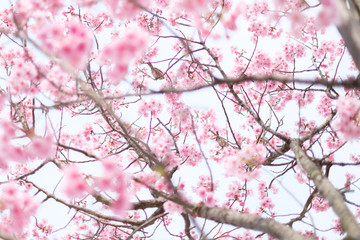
column 20, row 204
column 210, row 199
column 267, row 203
column 40, row 147
column 23, row 77
column 3, row 98
column 125, row 9
column 253, row 154
column 152, row 106
column 320, row 204
column 329, row 14
column 71, row 42
column 172, row 207
column 191, row 154
column 195, row 7
column 324, row 107
column 86, row 2
column 357, row 214
column 348, row 122
column 121, row 204
column 75, row 184
column 337, row 227
column 230, row 20
column 120, row 52
column 76, row 47
column 115, row 183
column 250, row 156
column 299, row 177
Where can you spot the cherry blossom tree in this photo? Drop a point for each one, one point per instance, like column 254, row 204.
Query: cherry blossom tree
column 180, row 119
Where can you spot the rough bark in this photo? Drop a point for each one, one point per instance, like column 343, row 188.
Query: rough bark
column 251, row 221
column 349, row 28
column 328, row 191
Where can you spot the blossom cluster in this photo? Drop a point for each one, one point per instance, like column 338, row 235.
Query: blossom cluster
column 320, row 204
column 250, row 156
column 24, row 78
column 71, row 42
column 113, row 181
column 37, row 148
column 153, row 107
column 120, row 52
column 347, row 123
column 20, row 204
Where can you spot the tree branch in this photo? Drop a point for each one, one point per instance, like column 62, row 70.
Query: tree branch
column 336, row 200
column 349, row 29
column 250, row 221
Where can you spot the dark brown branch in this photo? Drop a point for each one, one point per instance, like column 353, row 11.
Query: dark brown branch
column 33, row 171
column 305, row 209
column 78, row 150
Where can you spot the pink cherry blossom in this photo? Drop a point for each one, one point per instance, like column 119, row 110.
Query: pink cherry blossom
column 23, row 77
column 37, row 148
column 347, row 123
column 71, row 42
column 86, row 2
column 172, row 207
column 20, row 204
column 86, row 131
column 153, row 107
column 320, row 204
column 324, row 107
column 329, row 13
column 114, row 182
column 120, row 52
column 250, row 156
column 125, row 9
column 40, row 147
column 231, row 18
column 358, row 212
column 195, row 7
column 75, row 182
